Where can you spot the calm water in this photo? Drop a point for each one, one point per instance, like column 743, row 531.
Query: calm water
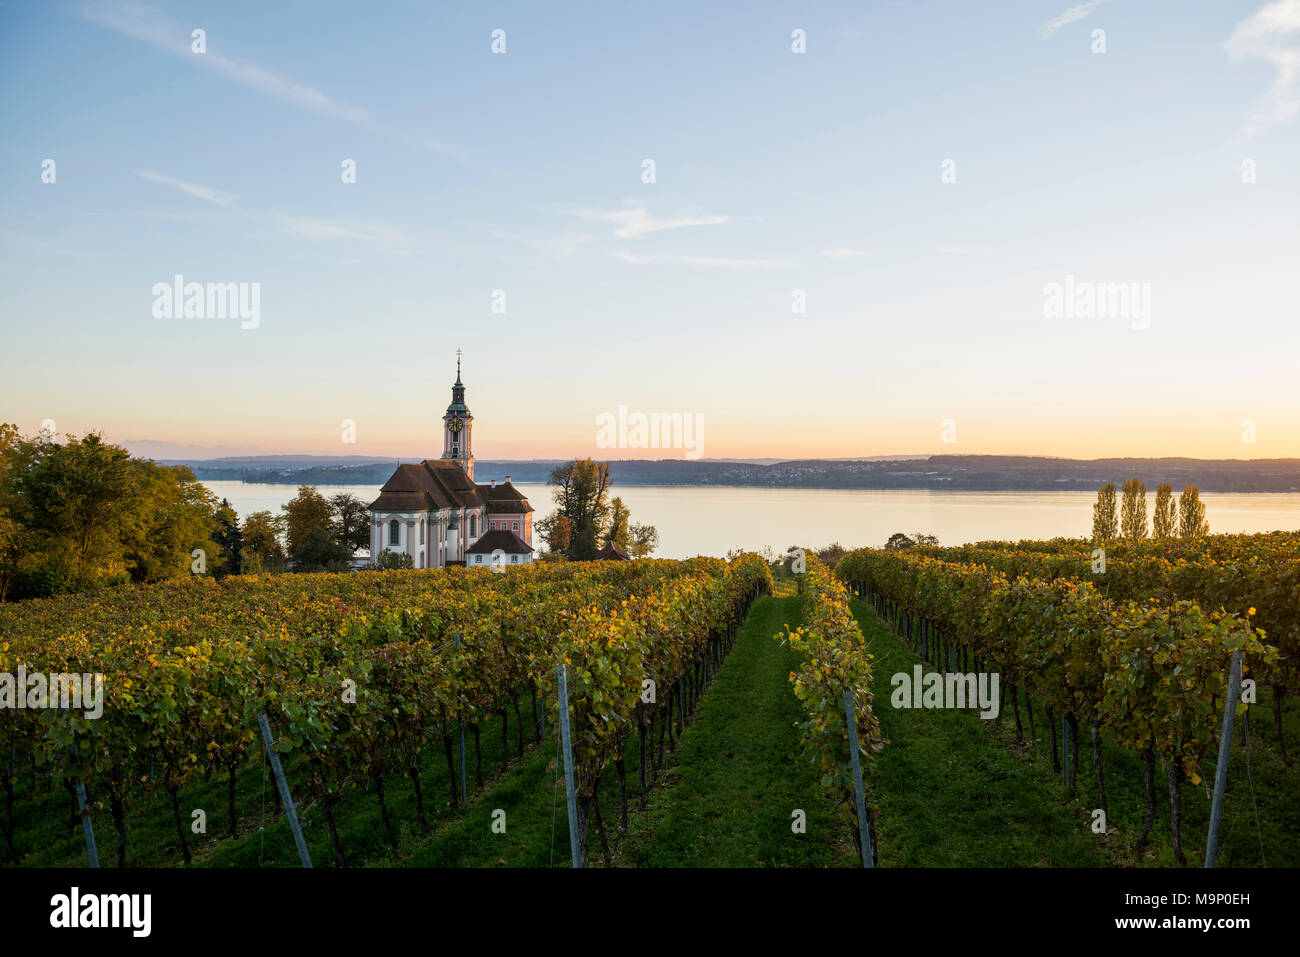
column 711, row 521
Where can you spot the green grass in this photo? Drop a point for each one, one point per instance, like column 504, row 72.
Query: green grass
column 739, row 774
column 956, row 790
column 950, row 795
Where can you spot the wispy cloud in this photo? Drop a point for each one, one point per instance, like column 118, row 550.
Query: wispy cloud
column 556, row 247
column 136, row 21
column 1068, row 17
column 325, row 229
column 843, row 252
column 213, row 196
column 1270, row 34
column 635, row 222
column 701, row 261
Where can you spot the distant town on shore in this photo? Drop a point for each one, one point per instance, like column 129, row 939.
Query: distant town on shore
column 1011, row 473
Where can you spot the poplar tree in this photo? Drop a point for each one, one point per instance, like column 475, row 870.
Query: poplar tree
column 1105, row 523
column 1191, row 514
column 1133, row 517
column 1164, row 523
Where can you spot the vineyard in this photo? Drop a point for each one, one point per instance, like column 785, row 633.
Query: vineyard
column 360, row 676
column 1140, row 650
column 405, row 705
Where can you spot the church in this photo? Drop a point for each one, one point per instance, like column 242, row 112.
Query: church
column 437, row 514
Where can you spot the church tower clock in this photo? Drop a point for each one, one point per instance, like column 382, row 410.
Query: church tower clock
column 457, row 424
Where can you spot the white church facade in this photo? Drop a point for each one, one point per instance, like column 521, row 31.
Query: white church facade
column 434, row 512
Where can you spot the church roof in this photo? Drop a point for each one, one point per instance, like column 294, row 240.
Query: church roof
column 612, row 553
column 500, row 538
column 433, row 483
column 505, row 498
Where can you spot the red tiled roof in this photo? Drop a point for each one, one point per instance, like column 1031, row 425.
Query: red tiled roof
column 505, row 498
column 501, row 538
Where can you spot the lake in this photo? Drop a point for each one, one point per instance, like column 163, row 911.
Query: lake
column 711, row 521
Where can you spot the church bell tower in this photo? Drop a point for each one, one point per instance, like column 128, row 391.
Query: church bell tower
column 457, row 424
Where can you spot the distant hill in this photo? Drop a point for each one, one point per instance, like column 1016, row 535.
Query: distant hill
column 963, row 472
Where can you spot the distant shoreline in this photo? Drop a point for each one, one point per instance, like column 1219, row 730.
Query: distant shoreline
column 973, row 473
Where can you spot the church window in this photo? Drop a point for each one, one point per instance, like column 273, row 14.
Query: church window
column 516, row 526
column 422, row 533
column 473, row 526
column 394, row 533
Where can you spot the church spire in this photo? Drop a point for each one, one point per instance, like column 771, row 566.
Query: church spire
column 458, row 423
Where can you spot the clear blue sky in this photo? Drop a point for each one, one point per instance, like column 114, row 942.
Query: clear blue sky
column 775, row 172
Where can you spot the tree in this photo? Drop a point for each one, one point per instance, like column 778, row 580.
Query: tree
column 171, row 516
column 75, row 498
column 586, row 519
column 11, row 530
column 557, row 531
column 616, row 531
column 308, row 511
column 1164, row 523
column 1191, row 514
column 391, row 560
column 581, row 495
column 1105, row 523
column 262, row 550
column 642, row 540
column 1133, row 514
column 898, row 542
column 85, row 513
column 318, row 551
column 831, row 554
column 228, row 538
column 931, row 541
column 351, row 522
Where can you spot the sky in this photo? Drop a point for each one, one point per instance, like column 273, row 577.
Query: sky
column 852, row 250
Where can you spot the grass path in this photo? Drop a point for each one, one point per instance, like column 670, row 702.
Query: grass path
column 728, row 798
column 949, row 793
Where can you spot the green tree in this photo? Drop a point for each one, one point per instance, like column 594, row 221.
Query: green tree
column 642, row 540
column 1133, row 514
column 11, row 530
column 171, row 516
column 351, row 522
column 581, row 495
column 318, row 551
column 1105, row 521
column 261, row 547
column 229, row 539
column 307, row 511
column 617, row 531
column 1164, row 523
column 1191, row 514
column 898, row 542
column 391, row 560
column 75, row 498
column 831, row 554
